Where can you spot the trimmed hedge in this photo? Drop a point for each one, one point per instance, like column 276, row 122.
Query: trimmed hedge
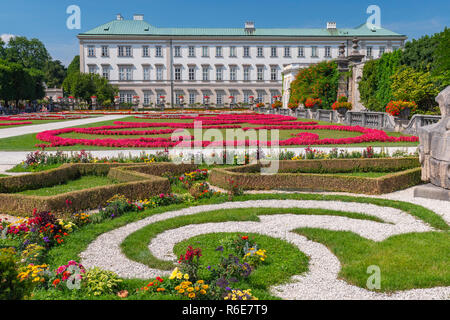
column 248, row 177
column 137, row 182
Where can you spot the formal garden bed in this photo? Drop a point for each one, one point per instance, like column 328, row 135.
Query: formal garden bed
column 368, row 176
column 22, row 194
column 154, row 131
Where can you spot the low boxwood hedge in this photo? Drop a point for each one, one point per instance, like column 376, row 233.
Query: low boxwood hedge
column 135, row 182
column 289, row 176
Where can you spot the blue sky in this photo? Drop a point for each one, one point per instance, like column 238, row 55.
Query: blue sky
column 46, row 19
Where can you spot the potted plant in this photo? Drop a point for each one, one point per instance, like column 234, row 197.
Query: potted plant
column 401, row 109
column 342, row 105
column 293, row 105
column 313, row 103
column 260, row 105
column 277, row 104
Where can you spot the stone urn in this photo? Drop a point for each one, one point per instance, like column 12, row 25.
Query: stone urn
column 342, row 111
column 404, row 114
column 434, row 153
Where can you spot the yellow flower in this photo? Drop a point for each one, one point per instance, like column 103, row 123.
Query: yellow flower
column 202, row 291
column 205, row 286
column 186, row 276
column 181, row 291
column 190, row 289
column 200, row 281
column 191, row 295
column 179, row 275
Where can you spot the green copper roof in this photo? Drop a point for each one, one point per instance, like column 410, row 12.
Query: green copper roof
column 142, row 28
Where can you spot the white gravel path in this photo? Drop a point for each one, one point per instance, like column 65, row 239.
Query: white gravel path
column 440, row 207
column 319, row 283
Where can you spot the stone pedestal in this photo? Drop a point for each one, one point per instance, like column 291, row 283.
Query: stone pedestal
column 434, row 151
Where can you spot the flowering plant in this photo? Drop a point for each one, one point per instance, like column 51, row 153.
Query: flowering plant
column 311, row 102
column 260, row 105
column 68, row 275
column 190, row 262
column 236, row 294
column 277, row 104
column 395, row 107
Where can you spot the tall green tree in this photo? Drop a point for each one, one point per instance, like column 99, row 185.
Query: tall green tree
column 54, row 73
column 29, row 53
column 441, row 69
column 317, row 81
column 375, row 85
column 410, row 84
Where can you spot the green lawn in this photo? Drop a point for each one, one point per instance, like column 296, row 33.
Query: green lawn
column 34, row 122
column 28, row 141
column 84, row 182
column 407, row 261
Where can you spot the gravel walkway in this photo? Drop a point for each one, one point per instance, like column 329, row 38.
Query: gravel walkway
column 19, row 131
column 319, row 283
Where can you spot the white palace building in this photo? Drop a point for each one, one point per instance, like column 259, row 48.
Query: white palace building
column 149, row 62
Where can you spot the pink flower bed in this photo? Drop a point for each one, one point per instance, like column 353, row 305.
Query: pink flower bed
column 222, row 121
column 14, row 123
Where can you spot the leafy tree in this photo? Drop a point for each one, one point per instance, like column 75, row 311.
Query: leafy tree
column 74, row 66
column 317, row 81
column 411, row 85
column 375, row 85
column 29, row 53
column 55, row 73
column 86, row 85
column 441, row 69
column 419, row 54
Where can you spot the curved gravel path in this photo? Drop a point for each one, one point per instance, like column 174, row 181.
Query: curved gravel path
column 319, row 283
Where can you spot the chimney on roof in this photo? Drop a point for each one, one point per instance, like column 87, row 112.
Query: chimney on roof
column 119, row 17
column 331, row 25
column 249, row 27
column 139, row 17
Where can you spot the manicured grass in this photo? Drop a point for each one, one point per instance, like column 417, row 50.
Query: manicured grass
column 34, row 122
column 38, row 168
column 135, row 246
column 78, row 241
column 407, row 261
column 28, row 141
column 343, row 241
column 363, row 174
column 84, row 182
column 283, row 261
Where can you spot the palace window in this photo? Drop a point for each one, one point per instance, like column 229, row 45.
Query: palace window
column 381, row 52
column 191, row 97
column 146, row 71
column 91, row 51
column 287, row 52
column 92, row 69
column 369, row 52
column 233, row 73
column 124, row 51
column 260, row 73
column 273, row 52
column 246, row 73
column 125, row 73
column 260, row 52
column 233, row 51
column 105, row 51
column 205, row 52
column 205, row 73
column 191, row 73
column 177, row 52
column 327, row 52
column 314, row 52
column 218, row 51
column 145, row 51
column 219, row 98
column 105, row 72
column 301, row 52
column 177, row 73
column 158, row 52
column 159, row 73
column 219, row 73
column 191, row 51
column 247, row 52
column 273, row 73
column 146, row 98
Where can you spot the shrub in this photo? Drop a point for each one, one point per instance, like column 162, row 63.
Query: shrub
column 190, row 262
column 99, row 282
column 11, row 288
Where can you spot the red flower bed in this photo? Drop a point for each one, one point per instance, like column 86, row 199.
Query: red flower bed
column 15, row 123
column 223, row 121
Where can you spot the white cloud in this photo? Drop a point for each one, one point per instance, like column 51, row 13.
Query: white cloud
column 5, row 37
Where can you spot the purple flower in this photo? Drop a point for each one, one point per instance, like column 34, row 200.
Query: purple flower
column 46, row 239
